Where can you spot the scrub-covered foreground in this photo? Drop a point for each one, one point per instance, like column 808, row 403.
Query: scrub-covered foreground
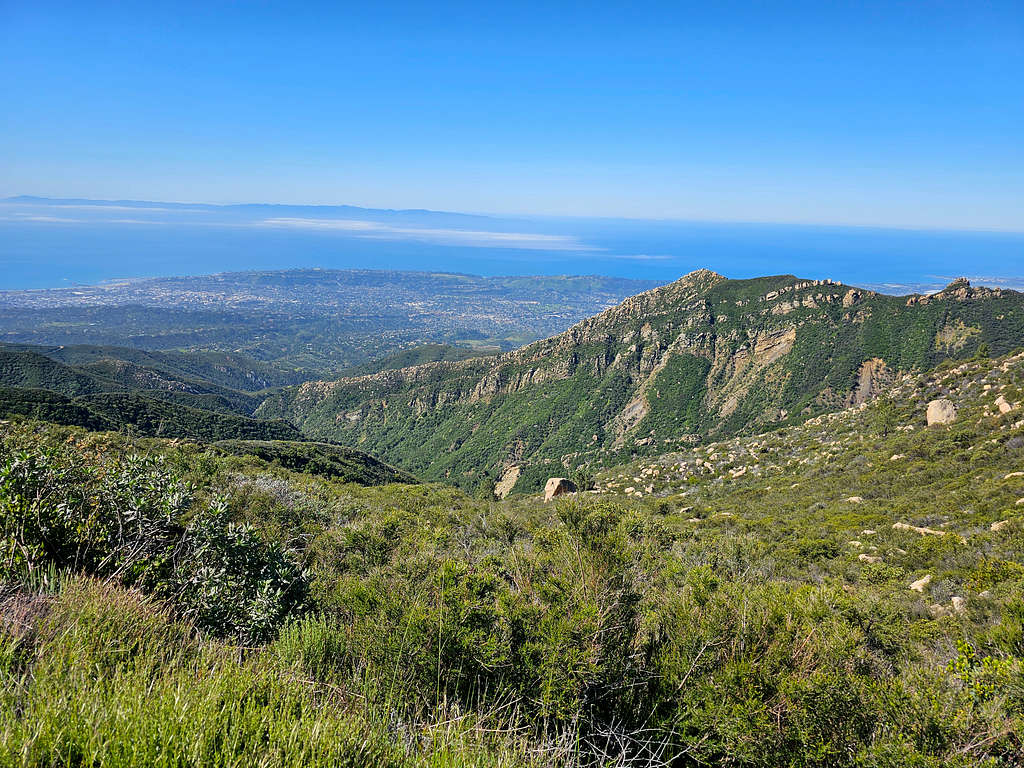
column 166, row 604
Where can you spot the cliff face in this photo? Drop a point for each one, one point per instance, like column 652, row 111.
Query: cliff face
column 701, row 357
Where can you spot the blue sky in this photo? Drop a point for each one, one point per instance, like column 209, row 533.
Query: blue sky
column 893, row 114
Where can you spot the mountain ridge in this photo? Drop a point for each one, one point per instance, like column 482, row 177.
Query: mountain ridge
column 700, row 357
column 297, row 207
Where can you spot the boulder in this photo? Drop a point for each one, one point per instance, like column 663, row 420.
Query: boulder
column 869, row 558
column 999, row 525
column 959, row 604
column 941, row 412
column 1002, row 405
column 918, row 529
column 558, row 486
column 920, row 584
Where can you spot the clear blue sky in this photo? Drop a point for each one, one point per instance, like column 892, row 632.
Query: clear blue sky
column 888, row 113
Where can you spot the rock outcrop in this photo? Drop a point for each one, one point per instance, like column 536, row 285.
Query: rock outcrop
column 921, row 584
column 558, row 486
column 507, row 482
column 941, row 411
column 701, row 358
column 872, row 378
column 917, row 529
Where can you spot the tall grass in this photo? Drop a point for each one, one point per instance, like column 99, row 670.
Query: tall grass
column 109, row 679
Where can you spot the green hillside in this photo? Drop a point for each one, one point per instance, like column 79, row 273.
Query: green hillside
column 335, row 462
column 848, row 591
column 704, row 357
column 161, row 419
column 425, row 353
column 24, row 367
column 119, row 388
column 46, row 405
column 88, row 370
column 230, row 370
column 140, row 414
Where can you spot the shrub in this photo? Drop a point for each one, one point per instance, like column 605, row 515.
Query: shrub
column 124, row 518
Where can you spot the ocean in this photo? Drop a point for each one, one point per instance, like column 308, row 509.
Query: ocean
column 49, row 244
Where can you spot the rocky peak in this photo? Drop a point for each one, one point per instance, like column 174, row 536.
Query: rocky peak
column 958, row 290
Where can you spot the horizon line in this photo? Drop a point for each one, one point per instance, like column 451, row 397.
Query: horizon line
column 99, row 202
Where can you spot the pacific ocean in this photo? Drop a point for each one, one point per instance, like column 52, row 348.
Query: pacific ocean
column 44, row 245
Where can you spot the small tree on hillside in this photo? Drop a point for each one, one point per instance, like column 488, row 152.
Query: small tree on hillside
column 885, row 418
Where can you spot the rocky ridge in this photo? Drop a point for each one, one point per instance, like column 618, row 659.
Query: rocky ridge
column 702, row 357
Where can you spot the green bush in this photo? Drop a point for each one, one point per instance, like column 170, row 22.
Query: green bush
column 130, row 519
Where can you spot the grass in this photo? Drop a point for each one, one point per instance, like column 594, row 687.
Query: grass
column 724, row 617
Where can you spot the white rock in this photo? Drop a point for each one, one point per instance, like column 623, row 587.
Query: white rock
column 999, row 525
column 868, row 532
column 855, row 499
column 918, row 529
column 920, row 584
column 941, row 412
column 959, row 604
column 869, row 558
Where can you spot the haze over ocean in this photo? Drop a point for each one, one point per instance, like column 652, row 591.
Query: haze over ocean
column 45, row 244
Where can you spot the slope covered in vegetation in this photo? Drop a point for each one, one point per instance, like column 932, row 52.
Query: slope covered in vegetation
column 755, row 606
column 336, row 462
column 132, row 411
column 118, row 388
column 704, row 357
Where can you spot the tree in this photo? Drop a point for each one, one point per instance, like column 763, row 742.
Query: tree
column 885, row 416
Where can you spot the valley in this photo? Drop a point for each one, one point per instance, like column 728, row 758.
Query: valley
column 789, row 532
column 701, row 358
